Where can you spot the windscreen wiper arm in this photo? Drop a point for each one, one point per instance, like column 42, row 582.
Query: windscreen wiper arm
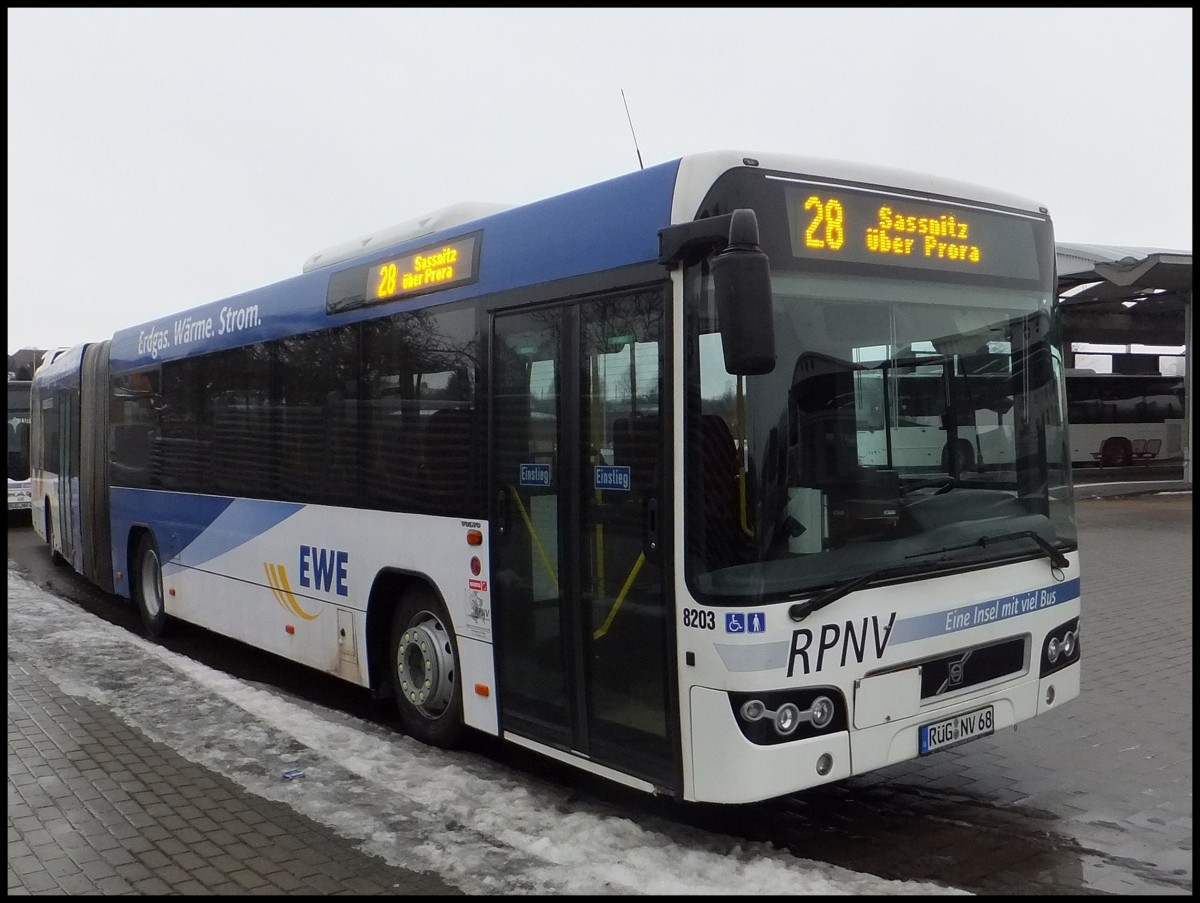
column 1057, row 558
column 801, row 610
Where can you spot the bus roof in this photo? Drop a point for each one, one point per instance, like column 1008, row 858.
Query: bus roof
column 599, row 227
column 60, row 365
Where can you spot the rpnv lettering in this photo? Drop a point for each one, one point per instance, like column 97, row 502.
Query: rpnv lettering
column 851, row 638
column 324, row 569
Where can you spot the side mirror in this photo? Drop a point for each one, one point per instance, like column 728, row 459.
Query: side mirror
column 742, row 283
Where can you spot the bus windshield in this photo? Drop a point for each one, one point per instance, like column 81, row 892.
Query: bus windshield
column 906, row 423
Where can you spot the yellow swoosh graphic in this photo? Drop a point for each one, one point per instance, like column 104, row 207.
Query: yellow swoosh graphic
column 277, row 577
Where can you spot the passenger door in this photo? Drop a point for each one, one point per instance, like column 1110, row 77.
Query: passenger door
column 578, row 448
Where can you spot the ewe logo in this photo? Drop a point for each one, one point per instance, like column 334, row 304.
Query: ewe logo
column 324, row 569
column 278, row 579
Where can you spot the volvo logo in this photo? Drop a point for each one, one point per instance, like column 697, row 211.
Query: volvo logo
column 956, row 673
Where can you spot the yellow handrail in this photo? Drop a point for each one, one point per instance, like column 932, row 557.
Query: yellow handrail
column 637, row 566
column 533, row 535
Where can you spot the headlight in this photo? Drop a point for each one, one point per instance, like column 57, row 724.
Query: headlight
column 787, row 718
column 753, row 710
column 822, row 712
column 791, row 714
column 1061, row 648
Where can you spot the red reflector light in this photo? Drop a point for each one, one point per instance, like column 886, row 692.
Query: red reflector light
column 290, row 629
column 482, row 690
column 476, row 566
column 474, row 537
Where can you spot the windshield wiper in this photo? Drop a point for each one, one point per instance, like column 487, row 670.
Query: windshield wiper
column 1057, row 558
column 801, row 610
column 943, row 483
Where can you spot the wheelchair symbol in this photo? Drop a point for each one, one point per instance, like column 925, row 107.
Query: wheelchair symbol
column 745, row 622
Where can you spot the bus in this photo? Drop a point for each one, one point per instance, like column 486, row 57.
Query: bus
column 18, row 449
column 1122, row 419
column 588, row 475
column 907, row 409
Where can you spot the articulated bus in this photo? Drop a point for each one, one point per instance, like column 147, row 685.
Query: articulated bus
column 1119, row 419
column 617, row 475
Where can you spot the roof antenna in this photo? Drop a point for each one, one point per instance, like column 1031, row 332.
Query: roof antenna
column 631, row 131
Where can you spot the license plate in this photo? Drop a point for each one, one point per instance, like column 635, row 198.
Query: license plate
column 955, row 730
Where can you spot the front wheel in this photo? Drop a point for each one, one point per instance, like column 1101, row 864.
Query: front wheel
column 423, row 665
column 148, row 587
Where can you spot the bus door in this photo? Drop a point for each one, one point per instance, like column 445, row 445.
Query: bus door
column 578, row 449
column 60, row 412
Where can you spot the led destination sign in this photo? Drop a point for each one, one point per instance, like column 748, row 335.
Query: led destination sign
column 429, row 269
column 835, row 223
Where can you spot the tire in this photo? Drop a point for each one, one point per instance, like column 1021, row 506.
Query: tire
column 423, row 667
column 148, row 587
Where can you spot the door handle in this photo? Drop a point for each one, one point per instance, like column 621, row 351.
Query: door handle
column 501, row 512
column 650, row 539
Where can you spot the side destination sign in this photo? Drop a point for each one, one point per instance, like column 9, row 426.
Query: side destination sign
column 431, row 268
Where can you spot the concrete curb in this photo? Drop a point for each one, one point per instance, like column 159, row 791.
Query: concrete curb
column 1140, row 487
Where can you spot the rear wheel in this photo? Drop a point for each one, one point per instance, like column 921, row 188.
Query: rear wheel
column 148, row 587
column 423, row 665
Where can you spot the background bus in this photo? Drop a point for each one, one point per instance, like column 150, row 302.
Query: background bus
column 18, row 450
column 1123, row 419
column 931, row 412
column 615, row 476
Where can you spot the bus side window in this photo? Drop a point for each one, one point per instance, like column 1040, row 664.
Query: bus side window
column 636, row 445
column 724, row 539
column 446, row 450
column 18, row 451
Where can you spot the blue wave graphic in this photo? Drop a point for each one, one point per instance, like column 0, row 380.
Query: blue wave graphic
column 242, row 521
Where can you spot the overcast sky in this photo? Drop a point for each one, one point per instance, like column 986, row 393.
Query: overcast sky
column 161, row 159
column 484, row 828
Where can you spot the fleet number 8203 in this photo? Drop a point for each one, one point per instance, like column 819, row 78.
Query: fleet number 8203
column 699, row 618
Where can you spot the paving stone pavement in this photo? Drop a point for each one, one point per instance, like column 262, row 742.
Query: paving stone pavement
column 97, row 808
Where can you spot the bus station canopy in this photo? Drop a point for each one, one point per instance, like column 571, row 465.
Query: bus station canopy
column 1120, row 296
column 1126, row 296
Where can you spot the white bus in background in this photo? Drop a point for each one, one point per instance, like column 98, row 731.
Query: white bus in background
column 1118, row 419
column 18, row 449
column 935, row 412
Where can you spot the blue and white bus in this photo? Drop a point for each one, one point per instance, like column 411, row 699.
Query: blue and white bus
column 588, row 474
